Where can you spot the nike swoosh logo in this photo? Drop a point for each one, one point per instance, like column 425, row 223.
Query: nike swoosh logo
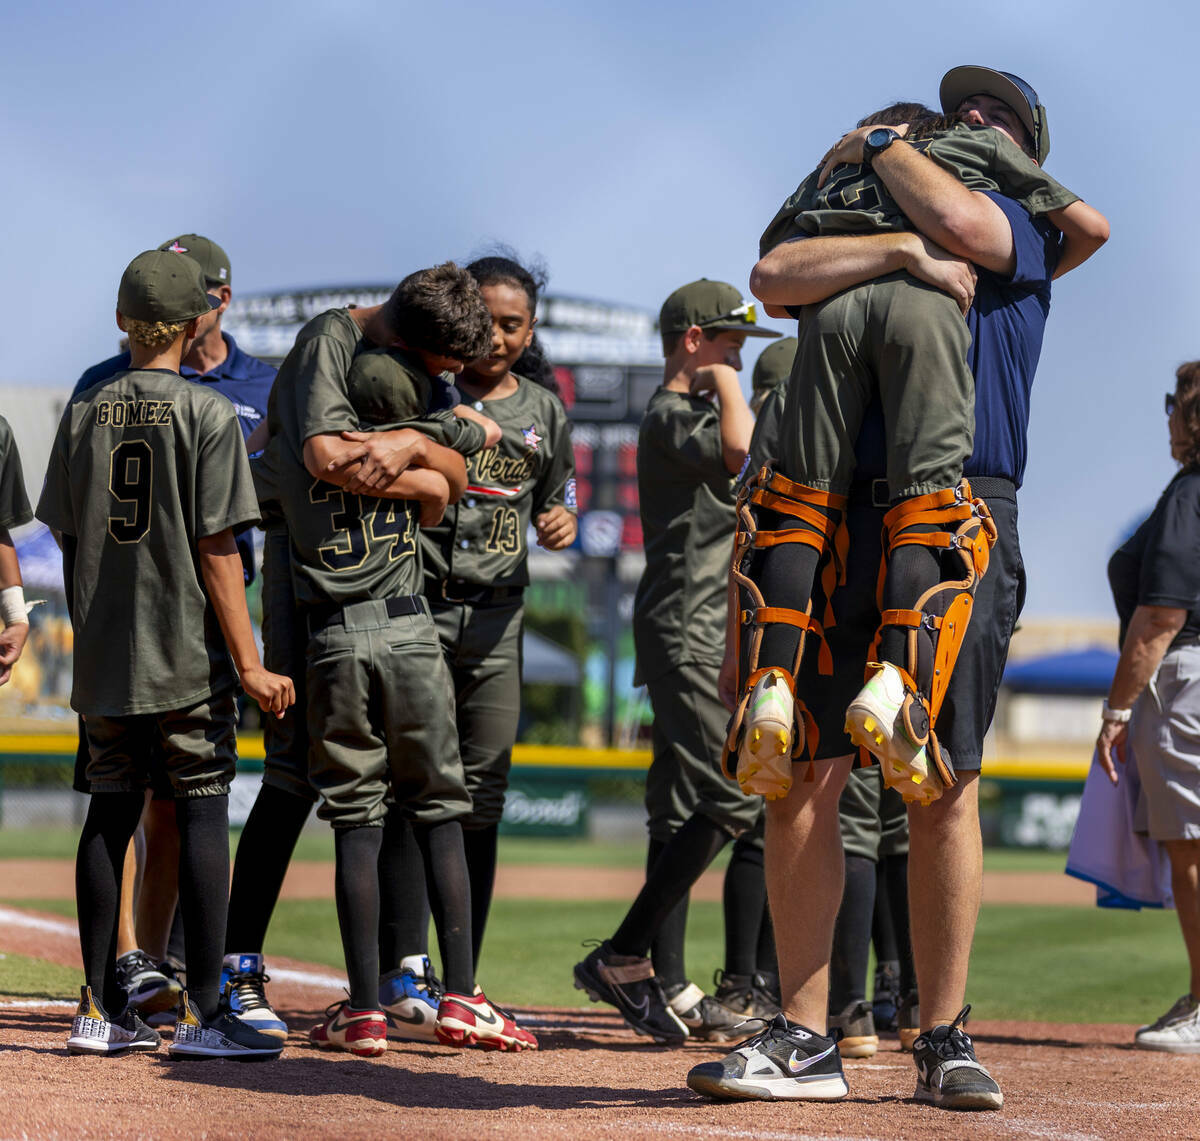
column 797, row 1066
column 412, row 1019
column 641, row 1008
column 489, row 1019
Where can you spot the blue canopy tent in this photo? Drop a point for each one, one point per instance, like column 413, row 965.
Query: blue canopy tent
column 1075, row 673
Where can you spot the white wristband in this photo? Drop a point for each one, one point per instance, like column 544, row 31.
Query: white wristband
column 1108, row 713
column 12, row 606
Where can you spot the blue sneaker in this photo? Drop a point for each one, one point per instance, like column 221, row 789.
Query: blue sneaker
column 409, row 997
column 243, row 984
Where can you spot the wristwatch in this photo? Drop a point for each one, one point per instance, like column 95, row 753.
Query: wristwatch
column 878, row 140
column 1108, row 713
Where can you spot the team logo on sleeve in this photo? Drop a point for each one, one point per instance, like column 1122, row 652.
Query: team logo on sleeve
column 532, row 439
column 569, row 499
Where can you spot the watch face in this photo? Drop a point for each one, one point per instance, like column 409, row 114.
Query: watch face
column 880, row 136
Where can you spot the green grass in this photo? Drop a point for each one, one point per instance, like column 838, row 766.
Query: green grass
column 1044, row 964
column 1022, row 860
column 22, row 977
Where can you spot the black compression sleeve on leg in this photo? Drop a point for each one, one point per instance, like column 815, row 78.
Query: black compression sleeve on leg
column 911, row 571
column 883, row 929
column 263, row 854
column 767, row 958
column 785, row 575
column 403, row 899
column 112, row 819
column 480, row 845
column 203, row 892
column 680, row 864
column 667, row 947
column 897, row 892
column 356, row 889
column 449, row 889
column 745, row 899
column 852, row 935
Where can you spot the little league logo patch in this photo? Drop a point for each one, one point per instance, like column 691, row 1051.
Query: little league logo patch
column 175, row 247
column 532, row 439
column 570, row 502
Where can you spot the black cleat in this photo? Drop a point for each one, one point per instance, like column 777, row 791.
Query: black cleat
column 628, row 983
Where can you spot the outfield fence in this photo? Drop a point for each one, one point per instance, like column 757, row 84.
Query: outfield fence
column 1028, row 802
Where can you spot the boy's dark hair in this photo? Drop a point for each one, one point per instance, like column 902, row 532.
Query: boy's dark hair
column 502, row 267
column 671, row 340
column 441, row 310
column 896, row 114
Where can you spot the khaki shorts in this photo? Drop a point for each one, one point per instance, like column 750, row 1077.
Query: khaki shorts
column 1165, row 734
column 381, row 720
column 195, row 748
column 685, row 777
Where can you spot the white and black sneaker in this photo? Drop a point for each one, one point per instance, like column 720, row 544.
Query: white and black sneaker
column 93, row 1032
column 782, row 1063
column 225, row 1036
column 628, row 982
column 705, row 1017
column 149, row 987
column 948, row 1075
column 1176, row 1032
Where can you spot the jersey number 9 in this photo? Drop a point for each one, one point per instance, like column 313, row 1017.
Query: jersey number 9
column 131, row 482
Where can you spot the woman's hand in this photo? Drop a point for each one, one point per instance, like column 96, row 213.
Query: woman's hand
column 1111, row 742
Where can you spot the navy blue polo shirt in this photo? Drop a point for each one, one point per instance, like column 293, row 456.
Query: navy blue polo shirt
column 1007, row 321
column 243, row 380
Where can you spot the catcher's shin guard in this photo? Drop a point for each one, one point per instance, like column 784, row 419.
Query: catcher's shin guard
column 763, row 734
column 895, row 714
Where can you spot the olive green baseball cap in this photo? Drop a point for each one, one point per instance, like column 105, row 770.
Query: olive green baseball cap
column 774, row 364
column 213, row 260
column 711, row 305
column 162, row 286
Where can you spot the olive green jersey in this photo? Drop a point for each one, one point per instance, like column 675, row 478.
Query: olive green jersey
column 14, row 506
column 764, row 444
column 855, row 199
column 481, row 541
column 686, row 500
column 345, row 547
column 143, row 466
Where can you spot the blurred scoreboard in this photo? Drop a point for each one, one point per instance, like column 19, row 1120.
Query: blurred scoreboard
column 605, row 403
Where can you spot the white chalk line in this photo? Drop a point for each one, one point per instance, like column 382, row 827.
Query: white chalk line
column 38, row 1004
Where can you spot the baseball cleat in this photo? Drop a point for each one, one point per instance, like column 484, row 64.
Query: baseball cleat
column 149, row 988
column 362, row 1032
column 705, row 1017
column 874, row 723
column 224, row 1036
column 93, row 1032
column 628, row 982
column 471, row 1020
column 765, row 756
column 409, row 999
column 243, row 982
column 857, row 1025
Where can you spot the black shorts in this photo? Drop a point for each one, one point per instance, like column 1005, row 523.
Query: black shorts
column 970, row 702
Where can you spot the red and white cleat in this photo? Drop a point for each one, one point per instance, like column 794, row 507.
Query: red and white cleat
column 473, row 1021
column 362, row 1032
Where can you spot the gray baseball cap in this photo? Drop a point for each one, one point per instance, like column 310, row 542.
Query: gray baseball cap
column 213, row 260
column 960, row 83
column 162, row 286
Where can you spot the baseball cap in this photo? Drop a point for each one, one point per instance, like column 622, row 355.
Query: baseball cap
column 213, row 260
column 711, row 305
column 774, row 364
column 961, row 82
column 161, row 286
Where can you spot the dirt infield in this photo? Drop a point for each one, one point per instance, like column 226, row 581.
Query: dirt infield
column 55, row 879
column 592, row 1078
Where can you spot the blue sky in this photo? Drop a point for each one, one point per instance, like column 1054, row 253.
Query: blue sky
column 634, row 147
